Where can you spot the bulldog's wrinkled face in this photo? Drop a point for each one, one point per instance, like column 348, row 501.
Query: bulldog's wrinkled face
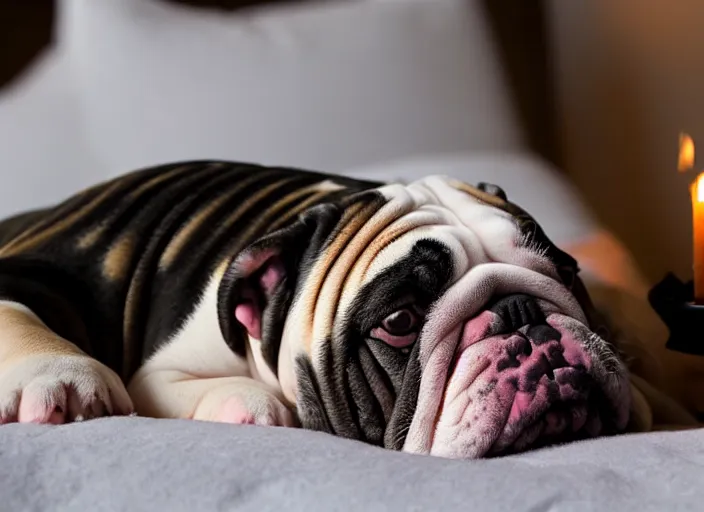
column 436, row 318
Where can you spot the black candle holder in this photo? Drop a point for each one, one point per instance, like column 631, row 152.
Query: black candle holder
column 673, row 301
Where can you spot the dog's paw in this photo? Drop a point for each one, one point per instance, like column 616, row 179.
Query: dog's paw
column 57, row 389
column 244, row 403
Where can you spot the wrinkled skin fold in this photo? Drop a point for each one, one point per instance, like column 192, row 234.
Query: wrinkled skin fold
column 507, row 357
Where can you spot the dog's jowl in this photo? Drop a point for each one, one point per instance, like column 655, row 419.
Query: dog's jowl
column 433, row 317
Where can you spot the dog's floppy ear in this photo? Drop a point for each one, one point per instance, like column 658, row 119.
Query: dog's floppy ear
column 492, row 189
column 484, row 192
column 259, row 285
column 261, row 272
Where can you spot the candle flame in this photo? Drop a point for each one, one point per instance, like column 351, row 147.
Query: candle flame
column 686, row 157
column 699, row 188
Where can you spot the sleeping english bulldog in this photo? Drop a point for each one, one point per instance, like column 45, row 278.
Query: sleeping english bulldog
column 433, row 317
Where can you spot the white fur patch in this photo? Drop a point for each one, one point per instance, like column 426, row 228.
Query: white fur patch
column 474, row 232
column 196, row 374
column 199, row 348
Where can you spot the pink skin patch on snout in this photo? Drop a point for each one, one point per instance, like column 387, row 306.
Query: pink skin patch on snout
column 507, row 391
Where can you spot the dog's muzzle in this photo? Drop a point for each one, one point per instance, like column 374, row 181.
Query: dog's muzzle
column 522, row 374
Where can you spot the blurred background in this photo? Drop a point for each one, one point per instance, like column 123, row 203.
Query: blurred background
column 597, row 89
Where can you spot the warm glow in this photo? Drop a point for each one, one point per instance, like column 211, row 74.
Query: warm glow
column 696, row 192
column 699, row 188
column 686, row 157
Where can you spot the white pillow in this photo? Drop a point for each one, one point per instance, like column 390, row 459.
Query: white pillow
column 44, row 156
column 321, row 85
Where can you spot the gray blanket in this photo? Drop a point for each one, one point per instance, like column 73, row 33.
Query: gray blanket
column 144, row 464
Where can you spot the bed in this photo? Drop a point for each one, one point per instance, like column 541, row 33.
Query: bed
column 112, row 94
column 145, row 464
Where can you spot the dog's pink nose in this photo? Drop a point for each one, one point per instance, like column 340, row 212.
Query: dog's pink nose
column 549, row 397
column 519, row 380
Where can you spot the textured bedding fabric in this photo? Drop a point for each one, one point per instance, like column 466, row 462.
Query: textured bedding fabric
column 145, row 464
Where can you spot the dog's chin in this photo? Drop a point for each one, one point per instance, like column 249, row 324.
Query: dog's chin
column 545, row 384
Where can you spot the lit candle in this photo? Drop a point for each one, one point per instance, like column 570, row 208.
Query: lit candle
column 696, row 191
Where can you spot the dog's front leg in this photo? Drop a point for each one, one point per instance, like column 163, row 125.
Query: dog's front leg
column 196, row 375
column 175, row 394
column 44, row 378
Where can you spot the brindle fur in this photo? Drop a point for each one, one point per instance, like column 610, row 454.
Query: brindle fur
column 117, row 268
